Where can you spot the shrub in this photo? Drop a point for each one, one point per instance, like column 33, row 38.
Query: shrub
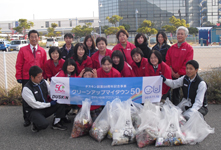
column 213, row 80
column 13, row 97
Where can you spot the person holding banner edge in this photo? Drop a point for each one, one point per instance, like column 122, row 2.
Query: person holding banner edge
column 36, row 106
column 156, row 67
column 193, row 87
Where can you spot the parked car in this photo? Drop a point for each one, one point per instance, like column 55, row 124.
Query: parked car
column 17, row 44
column 51, row 42
column 4, row 45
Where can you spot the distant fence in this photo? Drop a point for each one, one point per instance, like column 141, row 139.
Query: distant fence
column 207, row 56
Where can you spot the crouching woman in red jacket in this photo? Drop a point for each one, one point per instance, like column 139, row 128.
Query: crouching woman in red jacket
column 81, row 58
column 106, row 70
column 156, row 67
column 55, row 63
column 139, row 62
column 68, row 69
column 122, row 66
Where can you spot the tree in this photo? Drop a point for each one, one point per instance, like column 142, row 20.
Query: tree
column 84, row 30
column 114, row 19
column 113, row 30
column 126, row 26
column 23, row 25
column 147, row 28
column 175, row 24
column 51, row 30
column 193, row 30
column 58, row 33
column 103, row 28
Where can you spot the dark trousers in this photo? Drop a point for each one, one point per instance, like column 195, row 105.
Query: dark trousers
column 38, row 116
column 164, row 96
column 176, row 96
column 23, row 110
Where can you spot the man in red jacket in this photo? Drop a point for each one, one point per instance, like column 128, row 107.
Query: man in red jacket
column 177, row 56
column 28, row 56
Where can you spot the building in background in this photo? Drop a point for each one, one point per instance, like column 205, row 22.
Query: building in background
column 64, row 24
column 195, row 12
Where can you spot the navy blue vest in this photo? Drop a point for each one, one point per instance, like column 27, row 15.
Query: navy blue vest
column 190, row 88
column 40, row 92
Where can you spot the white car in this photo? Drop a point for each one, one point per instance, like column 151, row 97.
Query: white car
column 51, row 42
column 16, row 45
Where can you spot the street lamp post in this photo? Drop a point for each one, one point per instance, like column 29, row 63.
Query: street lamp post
column 99, row 27
column 136, row 12
column 99, row 21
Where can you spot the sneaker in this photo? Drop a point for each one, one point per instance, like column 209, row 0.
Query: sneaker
column 59, row 126
column 33, row 128
column 26, row 123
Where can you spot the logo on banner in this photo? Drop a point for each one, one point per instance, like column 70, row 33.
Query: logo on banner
column 60, row 88
column 149, row 89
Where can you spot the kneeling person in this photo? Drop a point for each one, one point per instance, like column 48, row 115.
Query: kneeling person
column 36, row 105
column 193, row 87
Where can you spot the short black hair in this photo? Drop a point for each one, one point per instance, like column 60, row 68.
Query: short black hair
column 157, row 54
column 32, row 31
column 68, row 35
column 101, row 39
column 68, row 62
column 137, row 50
column 92, row 39
column 52, row 49
column 87, row 69
column 194, row 63
column 75, row 56
column 138, row 36
column 103, row 60
column 164, row 36
column 118, row 54
column 122, row 31
column 34, row 71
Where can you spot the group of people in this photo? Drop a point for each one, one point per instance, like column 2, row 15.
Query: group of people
column 175, row 64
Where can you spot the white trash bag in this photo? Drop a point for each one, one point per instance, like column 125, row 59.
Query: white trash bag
column 196, row 129
column 101, row 125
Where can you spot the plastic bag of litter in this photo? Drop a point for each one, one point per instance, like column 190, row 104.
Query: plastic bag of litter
column 169, row 130
column 183, row 104
column 123, row 130
column 83, row 121
column 101, row 125
column 136, row 109
column 196, row 129
column 116, row 107
column 148, row 129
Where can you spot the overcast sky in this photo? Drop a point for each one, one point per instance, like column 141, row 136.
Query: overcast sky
column 46, row 9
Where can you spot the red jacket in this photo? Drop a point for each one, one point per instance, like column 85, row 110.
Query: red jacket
column 126, row 52
column 50, row 68
column 62, row 74
column 140, row 71
column 26, row 59
column 95, row 58
column 127, row 70
column 113, row 73
column 178, row 57
column 163, row 69
column 85, row 63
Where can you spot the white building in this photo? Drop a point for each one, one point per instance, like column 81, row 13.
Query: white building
column 64, row 24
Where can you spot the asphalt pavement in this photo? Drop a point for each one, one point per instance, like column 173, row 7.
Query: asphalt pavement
column 14, row 136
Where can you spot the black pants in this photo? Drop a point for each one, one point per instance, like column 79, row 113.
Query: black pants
column 176, row 96
column 38, row 116
column 23, row 110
